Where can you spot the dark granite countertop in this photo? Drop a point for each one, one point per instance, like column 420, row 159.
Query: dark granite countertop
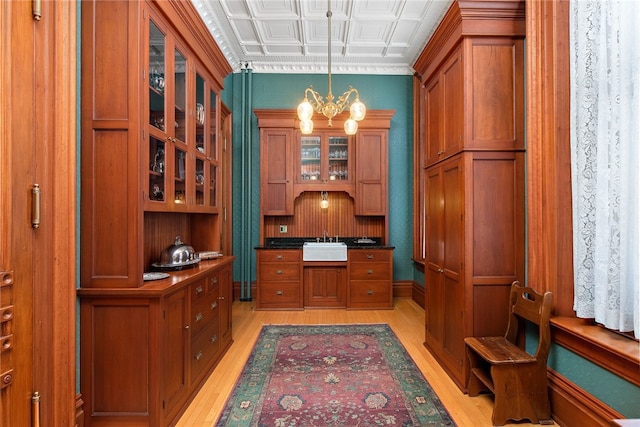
column 297, row 242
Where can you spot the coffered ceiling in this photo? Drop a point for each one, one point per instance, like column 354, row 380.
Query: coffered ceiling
column 290, row 36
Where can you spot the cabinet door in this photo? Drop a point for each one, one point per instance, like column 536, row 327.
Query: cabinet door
column 175, row 326
column 444, row 288
column 433, row 121
column 276, row 172
column 453, row 104
column 325, row 286
column 371, row 173
column 324, row 160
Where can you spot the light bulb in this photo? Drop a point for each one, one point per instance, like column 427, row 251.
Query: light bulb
column 324, row 204
column 350, row 127
column 357, row 110
column 305, row 110
column 306, row 126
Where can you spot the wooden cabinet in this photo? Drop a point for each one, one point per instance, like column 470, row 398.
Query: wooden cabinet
column 151, row 170
column 276, row 171
column 472, row 170
column 325, row 286
column 144, row 354
column 324, row 162
column 279, row 276
column 370, row 278
column 372, row 156
column 353, row 170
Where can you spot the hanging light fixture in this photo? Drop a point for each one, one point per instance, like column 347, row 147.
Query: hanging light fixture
column 313, row 101
column 324, row 203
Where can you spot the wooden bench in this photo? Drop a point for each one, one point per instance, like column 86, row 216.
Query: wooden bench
column 517, row 379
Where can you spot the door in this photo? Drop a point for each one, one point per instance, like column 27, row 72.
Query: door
column 37, row 265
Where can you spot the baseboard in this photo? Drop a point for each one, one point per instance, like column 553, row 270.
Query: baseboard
column 418, row 294
column 403, row 289
column 571, row 406
column 237, row 294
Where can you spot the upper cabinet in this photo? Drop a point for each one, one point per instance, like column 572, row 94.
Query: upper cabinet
column 472, row 77
column 182, row 127
column 150, row 166
column 352, row 171
column 324, row 161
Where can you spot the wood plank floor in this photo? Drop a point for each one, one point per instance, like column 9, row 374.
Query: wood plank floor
column 406, row 320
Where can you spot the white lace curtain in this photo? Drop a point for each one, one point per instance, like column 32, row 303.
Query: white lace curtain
column 605, row 160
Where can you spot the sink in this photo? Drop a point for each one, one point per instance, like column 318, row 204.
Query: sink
column 324, row 251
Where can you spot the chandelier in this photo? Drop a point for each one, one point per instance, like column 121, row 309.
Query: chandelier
column 313, row 101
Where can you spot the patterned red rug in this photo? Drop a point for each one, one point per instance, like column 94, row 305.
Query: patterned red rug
column 331, row 375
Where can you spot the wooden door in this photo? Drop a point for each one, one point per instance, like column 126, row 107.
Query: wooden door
column 37, row 264
column 434, row 235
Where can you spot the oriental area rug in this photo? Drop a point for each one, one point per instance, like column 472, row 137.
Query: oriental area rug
column 331, row 375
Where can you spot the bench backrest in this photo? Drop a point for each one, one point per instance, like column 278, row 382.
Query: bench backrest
column 526, row 303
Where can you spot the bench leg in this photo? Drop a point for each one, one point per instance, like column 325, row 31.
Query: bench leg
column 520, row 393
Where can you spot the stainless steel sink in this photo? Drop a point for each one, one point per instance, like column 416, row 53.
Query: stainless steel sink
column 324, row 251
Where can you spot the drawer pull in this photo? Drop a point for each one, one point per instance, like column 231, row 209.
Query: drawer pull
column 6, row 343
column 199, row 355
column 199, row 317
column 213, row 280
column 214, row 338
column 278, row 256
column 214, row 305
column 369, row 271
column 221, row 298
column 199, row 290
column 369, row 292
column 369, row 256
column 278, row 271
column 279, row 292
column 186, row 327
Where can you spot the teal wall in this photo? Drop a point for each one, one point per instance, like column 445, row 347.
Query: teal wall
column 388, row 93
column 285, row 91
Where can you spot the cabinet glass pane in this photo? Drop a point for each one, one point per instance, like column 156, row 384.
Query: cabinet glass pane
column 156, row 170
column 310, row 158
column 156, row 76
column 199, row 182
column 180, row 80
column 213, row 136
column 179, row 186
column 338, row 158
column 200, row 114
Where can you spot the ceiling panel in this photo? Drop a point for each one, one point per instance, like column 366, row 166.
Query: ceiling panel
column 290, row 36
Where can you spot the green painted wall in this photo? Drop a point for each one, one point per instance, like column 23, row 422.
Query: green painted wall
column 388, row 93
column 378, row 93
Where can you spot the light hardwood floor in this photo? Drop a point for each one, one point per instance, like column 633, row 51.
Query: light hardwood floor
column 406, row 320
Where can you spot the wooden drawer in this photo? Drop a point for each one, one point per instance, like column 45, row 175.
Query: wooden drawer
column 279, row 294
column 203, row 312
column 204, row 287
column 204, row 347
column 279, row 271
column 369, row 271
column 370, row 294
column 366, row 255
column 280, row 256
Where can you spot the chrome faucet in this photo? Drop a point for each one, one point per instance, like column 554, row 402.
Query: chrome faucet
column 326, row 234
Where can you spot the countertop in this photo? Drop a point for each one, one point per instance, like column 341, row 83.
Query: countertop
column 298, row 242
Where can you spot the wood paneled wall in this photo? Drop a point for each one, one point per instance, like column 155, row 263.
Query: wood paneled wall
column 309, row 220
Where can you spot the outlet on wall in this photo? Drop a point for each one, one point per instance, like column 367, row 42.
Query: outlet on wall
column 283, row 228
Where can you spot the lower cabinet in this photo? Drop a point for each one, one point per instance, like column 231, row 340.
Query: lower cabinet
column 279, row 279
column 370, row 278
column 285, row 282
column 145, row 352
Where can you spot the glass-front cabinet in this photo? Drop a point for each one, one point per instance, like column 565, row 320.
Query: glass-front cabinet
column 325, row 159
column 182, row 122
